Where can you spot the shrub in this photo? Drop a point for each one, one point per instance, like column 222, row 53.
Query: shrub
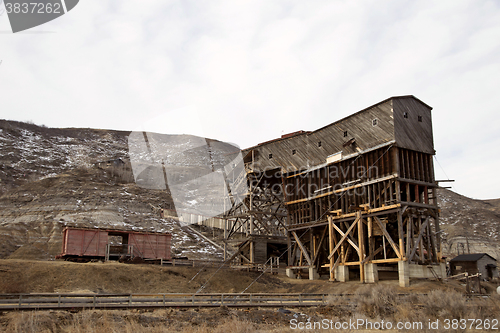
column 376, row 301
column 444, row 304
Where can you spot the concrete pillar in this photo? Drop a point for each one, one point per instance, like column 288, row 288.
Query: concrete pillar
column 342, row 273
column 290, row 273
column 371, row 273
column 443, row 270
column 313, row 274
column 404, row 273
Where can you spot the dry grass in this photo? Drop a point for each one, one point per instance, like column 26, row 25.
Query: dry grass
column 109, row 321
column 376, row 301
column 24, row 276
column 381, row 302
column 373, row 304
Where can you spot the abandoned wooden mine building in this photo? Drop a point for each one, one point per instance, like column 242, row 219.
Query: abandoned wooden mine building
column 354, row 199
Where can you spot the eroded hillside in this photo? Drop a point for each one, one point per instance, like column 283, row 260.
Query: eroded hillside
column 52, row 177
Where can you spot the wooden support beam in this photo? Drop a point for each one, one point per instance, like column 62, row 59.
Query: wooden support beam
column 388, row 237
column 429, row 242
column 344, row 237
column 346, row 255
column 417, row 242
column 371, row 240
column 371, row 256
column 245, row 258
column 302, row 248
column 361, row 250
column 353, row 240
column 385, row 261
column 401, row 234
column 421, row 243
column 294, row 257
column 433, row 244
column 409, row 234
column 319, row 245
column 331, row 246
column 289, row 247
column 332, row 268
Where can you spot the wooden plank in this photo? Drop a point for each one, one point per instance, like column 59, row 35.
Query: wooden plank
column 319, row 245
column 388, row 237
column 409, row 234
column 302, row 248
column 385, row 261
column 361, row 249
column 351, row 241
column 331, row 247
column 415, row 245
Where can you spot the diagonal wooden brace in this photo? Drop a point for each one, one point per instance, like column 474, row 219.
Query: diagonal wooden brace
column 389, row 238
column 344, row 237
column 302, row 248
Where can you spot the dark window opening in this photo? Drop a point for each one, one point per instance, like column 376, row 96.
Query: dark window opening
column 405, row 115
column 270, row 156
column 420, row 118
column 345, row 134
column 374, row 122
column 319, row 143
column 294, row 152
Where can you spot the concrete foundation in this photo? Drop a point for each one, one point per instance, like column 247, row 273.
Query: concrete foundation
column 371, row 273
column 404, row 273
column 313, row 274
column 290, row 273
column 342, row 273
column 424, row 272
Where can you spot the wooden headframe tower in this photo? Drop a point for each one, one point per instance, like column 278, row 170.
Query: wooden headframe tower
column 360, row 195
column 258, row 228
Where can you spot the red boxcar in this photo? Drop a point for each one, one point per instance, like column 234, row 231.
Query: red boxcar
column 84, row 242
column 96, row 243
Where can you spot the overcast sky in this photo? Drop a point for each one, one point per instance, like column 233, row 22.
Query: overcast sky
column 248, row 72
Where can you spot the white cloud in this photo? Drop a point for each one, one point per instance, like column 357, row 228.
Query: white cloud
column 255, row 69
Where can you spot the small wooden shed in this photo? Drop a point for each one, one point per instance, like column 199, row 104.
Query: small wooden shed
column 475, row 263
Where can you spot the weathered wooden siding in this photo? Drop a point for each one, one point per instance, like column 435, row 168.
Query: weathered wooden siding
column 260, row 248
column 151, row 246
column 92, row 243
column 82, row 242
column 359, row 127
column 309, row 149
column 481, row 265
column 411, row 133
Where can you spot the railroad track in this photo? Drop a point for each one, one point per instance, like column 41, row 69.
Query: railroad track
column 122, row 301
column 52, row 301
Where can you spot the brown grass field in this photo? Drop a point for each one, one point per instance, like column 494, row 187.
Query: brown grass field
column 427, row 301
